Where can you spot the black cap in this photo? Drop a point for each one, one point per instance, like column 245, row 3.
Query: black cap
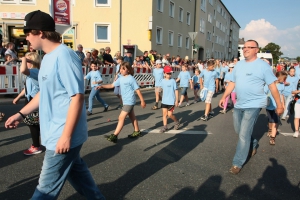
column 38, row 20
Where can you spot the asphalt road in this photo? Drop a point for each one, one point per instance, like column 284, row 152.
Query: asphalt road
column 192, row 163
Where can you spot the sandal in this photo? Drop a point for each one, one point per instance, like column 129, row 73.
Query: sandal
column 269, row 133
column 1, row 116
column 272, row 140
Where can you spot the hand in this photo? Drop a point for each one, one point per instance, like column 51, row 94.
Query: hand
column 221, row 103
column 13, row 121
column 143, row 104
column 176, row 103
column 201, row 87
column 63, row 145
column 98, row 87
column 279, row 110
column 16, row 100
column 94, row 82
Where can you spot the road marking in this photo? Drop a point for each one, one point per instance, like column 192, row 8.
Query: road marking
column 194, row 132
column 287, row 134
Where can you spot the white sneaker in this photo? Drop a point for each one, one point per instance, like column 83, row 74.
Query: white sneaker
column 296, row 134
column 187, row 104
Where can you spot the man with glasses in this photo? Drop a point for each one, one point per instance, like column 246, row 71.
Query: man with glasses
column 248, row 79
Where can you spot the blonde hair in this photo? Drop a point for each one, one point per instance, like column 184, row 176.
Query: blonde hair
column 217, row 64
column 36, row 59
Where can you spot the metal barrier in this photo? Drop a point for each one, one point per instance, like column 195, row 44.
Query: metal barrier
column 143, row 76
column 9, row 79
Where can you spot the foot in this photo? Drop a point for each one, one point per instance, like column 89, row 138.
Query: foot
column 187, row 104
column 32, row 151
column 179, row 105
column 295, row 134
column 106, row 108
column 163, row 129
column 154, row 107
column 223, row 111
column 204, row 117
column 272, row 140
column 112, row 138
column 253, row 152
column 235, row 170
column 176, row 126
column 282, row 118
column 135, row 134
column 211, row 115
column 88, row 113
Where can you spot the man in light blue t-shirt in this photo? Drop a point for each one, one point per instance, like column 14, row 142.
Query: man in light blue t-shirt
column 62, row 112
column 248, row 79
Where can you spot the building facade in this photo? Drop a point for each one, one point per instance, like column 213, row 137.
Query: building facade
column 135, row 26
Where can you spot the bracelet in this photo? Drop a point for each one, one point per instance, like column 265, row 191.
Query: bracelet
column 22, row 114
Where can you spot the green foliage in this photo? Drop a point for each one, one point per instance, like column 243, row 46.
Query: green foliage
column 274, row 49
column 298, row 58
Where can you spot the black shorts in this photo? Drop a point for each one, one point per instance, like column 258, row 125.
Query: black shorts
column 169, row 107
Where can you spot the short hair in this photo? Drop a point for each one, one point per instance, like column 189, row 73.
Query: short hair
column 197, row 70
column 253, row 41
column 210, row 63
column 107, row 48
column 102, row 50
column 119, row 58
column 281, row 73
column 49, row 35
column 145, row 52
column 94, row 63
column 79, row 45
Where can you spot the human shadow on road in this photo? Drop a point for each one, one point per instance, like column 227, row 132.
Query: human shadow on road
column 8, row 141
column 179, row 146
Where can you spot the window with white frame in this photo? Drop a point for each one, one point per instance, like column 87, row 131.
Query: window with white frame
column 159, row 35
column 217, row 24
column 214, row 14
column 203, row 5
column 187, row 42
column 27, row 1
column 218, row 8
column 9, row 1
column 171, row 9
column 208, row 36
column 209, row 18
column 103, row 3
column 102, row 32
column 180, row 14
column 188, row 18
column 179, row 40
column 171, row 38
column 207, row 53
column 202, row 25
column 211, row 2
column 160, row 5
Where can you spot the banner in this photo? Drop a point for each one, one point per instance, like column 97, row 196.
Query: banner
column 62, row 12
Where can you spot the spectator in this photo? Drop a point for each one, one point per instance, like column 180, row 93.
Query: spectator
column 107, row 58
column 11, row 51
column 80, row 53
column 95, row 57
column 146, row 58
column 116, row 56
column 88, row 59
column 101, row 52
column 128, row 58
column 151, row 57
column 165, row 61
column 2, row 51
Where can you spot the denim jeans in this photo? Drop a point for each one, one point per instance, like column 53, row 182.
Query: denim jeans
column 59, row 167
column 243, row 121
column 95, row 93
column 288, row 100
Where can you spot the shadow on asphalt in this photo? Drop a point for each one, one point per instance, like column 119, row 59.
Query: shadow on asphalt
column 272, row 185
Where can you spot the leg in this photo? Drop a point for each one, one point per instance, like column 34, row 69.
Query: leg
column 288, row 101
column 91, row 99
column 134, row 120
column 120, row 124
column 207, row 108
column 165, row 115
column 97, row 95
column 170, row 115
column 181, row 99
column 244, row 121
column 35, row 135
column 217, row 85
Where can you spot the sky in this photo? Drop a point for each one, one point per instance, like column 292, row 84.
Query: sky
column 265, row 21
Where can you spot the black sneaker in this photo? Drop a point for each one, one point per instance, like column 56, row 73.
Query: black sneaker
column 135, row 134
column 204, row 118
column 105, row 109
column 112, row 138
column 210, row 115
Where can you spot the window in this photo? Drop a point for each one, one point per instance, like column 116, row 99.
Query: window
column 218, row 8
column 209, row 17
column 159, row 35
column 180, row 14
column 103, row 32
column 187, row 42
column 171, row 9
column 217, row 24
column 214, row 14
column 211, row 2
column 179, row 40
column 207, row 53
column 208, row 36
column 202, row 25
column 160, row 5
column 203, row 5
column 103, row 3
column 188, row 18
column 28, row 1
column 9, row 1
column 171, row 38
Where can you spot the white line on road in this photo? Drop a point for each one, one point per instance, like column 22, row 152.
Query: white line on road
column 178, row 131
column 287, row 134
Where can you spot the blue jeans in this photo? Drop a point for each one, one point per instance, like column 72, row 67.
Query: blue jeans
column 243, row 121
column 95, row 93
column 59, row 167
column 288, row 100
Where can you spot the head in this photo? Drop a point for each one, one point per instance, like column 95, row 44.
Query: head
column 231, row 66
column 141, row 58
column 95, row 53
column 197, row 72
column 10, row 45
column 210, row 65
column 145, row 53
column 168, row 72
column 39, row 28
column 119, row 59
column 107, row 50
column 88, row 54
column 128, row 54
column 137, row 58
column 101, row 51
column 8, row 57
column 117, row 54
column 79, row 47
column 158, row 63
column 281, row 76
column 33, row 60
column 292, row 71
column 94, row 66
column 126, row 69
column 250, row 50
column 184, row 67
column 235, row 60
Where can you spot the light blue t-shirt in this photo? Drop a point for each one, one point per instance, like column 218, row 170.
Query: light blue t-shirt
column 94, row 76
column 218, row 71
column 158, row 74
column 209, row 79
column 60, row 78
column 297, row 71
column 272, row 104
column 118, row 68
column 184, row 77
column 228, row 78
column 224, row 70
column 249, row 79
column 293, row 81
column 168, row 87
column 195, row 79
column 32, row 84
column 128, row 86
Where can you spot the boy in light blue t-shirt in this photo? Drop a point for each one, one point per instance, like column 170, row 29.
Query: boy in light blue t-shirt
column 158, row 74
column 169, row 99
column 185, row 78
column 210, row 76
column 95, row 76
column 195, row 80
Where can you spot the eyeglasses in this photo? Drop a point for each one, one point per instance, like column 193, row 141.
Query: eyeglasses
column 249, row 48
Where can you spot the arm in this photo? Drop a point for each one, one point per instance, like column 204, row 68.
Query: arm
column 23, row 69
column 276, row 97
column 201, row 83
column 282, row 101
column 14, row 120
column 138, row 92
column 191, row 83
column 227, row 92
column 15, row 101
column 108, row 86
column 178, row 79
column 64, row 143
column 176, row 98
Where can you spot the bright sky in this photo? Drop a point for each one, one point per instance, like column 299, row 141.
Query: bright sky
column 267, row 21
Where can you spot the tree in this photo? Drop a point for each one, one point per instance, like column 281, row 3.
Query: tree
column 298, row 58
column 274, row 49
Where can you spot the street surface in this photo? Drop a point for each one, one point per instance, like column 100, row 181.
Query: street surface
column 191, row 163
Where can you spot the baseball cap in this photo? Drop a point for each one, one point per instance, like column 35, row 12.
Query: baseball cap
column 168, row 69
column 38, row 20
column 158, row 62
column 231, row 65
